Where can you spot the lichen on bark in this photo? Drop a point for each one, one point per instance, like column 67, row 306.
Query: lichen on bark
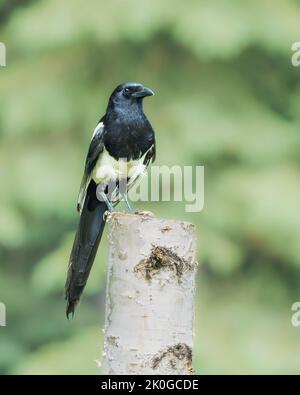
column 174, row 354
column 161, row 258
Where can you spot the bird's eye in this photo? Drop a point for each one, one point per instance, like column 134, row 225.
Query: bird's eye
column 126, row 90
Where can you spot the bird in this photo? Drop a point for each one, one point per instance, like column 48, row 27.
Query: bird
column 121, row 148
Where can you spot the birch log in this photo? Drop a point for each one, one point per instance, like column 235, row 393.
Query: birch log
column 149, row 319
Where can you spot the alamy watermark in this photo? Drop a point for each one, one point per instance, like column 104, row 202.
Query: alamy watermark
column 2, row 314
column 2, row 55
column 295, row 320
column 296, row 56
column 176, row 183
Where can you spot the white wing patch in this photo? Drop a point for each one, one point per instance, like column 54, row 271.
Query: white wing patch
column 86, row 177
column 99, row 126
column 82, row 192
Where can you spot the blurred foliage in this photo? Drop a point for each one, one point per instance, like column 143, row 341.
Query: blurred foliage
column 227, row 98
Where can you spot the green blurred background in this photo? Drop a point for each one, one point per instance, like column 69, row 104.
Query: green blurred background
column 227, row 97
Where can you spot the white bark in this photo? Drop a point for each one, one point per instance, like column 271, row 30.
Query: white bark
column 149, row 320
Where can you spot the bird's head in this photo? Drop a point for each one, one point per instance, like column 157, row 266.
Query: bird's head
column 128, row 94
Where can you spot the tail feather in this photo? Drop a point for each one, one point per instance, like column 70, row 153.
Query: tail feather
column 88, row 236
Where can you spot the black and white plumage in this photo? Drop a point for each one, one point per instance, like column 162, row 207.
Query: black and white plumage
column 122, row 146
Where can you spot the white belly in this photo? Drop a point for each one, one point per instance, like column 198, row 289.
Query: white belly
column 109, row 169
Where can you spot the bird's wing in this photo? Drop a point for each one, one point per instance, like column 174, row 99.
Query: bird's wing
column 149, row 157
column 95, row 149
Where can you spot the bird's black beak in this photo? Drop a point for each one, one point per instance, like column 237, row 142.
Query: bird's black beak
column 143, row 92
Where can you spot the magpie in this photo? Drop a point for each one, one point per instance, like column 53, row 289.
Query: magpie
column 121, row 148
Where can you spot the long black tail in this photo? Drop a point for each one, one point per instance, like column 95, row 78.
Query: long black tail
column 88, row 236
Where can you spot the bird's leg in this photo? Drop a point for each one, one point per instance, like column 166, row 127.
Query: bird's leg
column 129, row 208
column 107, row 202
column 122, row 187
column 103, row 193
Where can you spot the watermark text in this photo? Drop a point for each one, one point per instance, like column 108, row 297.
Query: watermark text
column 160, row 183
column 296, row 316
column 2, row 314
column 2, row 55
column 296, row 56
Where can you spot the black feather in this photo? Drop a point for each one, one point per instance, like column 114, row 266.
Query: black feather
column 88, row 235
